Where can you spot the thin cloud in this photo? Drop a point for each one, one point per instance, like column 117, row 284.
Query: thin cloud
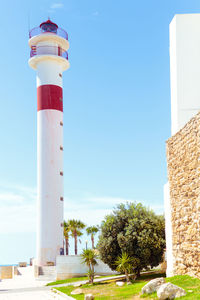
column 56, row 5
column 96, row 13
column 88, row 216
column 10, row 199
column 108, row 201
column 17, row 219
column 17, row 208
column 92, row 210
column 31, row 191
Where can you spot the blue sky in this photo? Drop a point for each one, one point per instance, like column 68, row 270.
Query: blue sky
column 116, row 110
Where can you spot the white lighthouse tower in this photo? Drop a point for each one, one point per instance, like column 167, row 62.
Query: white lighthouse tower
column 49, row 58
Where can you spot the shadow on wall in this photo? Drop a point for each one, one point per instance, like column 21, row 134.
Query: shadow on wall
column 71, row 266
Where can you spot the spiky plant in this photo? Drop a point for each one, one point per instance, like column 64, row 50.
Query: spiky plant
column 124, row 265
column 89, row 257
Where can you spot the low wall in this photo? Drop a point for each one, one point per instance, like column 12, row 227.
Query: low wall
column 70, row 266
column 6, row 272
column 22, row 264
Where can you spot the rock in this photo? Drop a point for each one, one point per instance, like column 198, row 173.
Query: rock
column 153, row 285
column 120, row 283
column 170, row 291
column 77, row 292
column 89, row 297
column 77, row 284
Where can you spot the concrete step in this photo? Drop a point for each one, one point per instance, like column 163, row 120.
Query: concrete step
column 46, row 278
column 47, row 271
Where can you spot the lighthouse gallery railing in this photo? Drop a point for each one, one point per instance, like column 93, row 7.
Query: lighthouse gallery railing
column 37, row 30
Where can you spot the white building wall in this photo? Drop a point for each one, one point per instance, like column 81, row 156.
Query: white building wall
column 68, row 266
column 184, row 69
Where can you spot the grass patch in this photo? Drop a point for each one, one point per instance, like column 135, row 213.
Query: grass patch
column 189, row 284
column 108, row 290
column 105, row 291
column 75, row 279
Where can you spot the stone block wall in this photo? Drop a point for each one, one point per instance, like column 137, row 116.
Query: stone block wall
column 183, row 164
column 6, row 272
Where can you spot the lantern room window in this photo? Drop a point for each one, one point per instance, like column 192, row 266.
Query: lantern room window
column 49, row 26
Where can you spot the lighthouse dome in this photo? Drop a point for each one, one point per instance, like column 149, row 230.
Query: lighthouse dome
column 49, row 26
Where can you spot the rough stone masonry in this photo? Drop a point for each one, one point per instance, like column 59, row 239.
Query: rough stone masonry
column 183, row 164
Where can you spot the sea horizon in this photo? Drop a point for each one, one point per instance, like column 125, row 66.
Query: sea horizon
column 8, row 265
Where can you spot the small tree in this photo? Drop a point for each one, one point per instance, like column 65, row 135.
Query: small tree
column 135, row 230
column 92, row 230
column 75, row 228
column 89, row 257
column 125, row 265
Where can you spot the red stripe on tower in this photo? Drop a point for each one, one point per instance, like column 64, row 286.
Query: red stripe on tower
column 49, row 97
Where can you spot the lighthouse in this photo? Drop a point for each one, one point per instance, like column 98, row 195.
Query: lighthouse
column 49, row 58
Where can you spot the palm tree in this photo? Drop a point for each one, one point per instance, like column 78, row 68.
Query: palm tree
column 75, row 228
column 89, row 257
column 124, row 264
column 92, row 230
column 66, row 236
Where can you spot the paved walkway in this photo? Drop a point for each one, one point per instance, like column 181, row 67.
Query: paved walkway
column 25, row 287
column 32, row 295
